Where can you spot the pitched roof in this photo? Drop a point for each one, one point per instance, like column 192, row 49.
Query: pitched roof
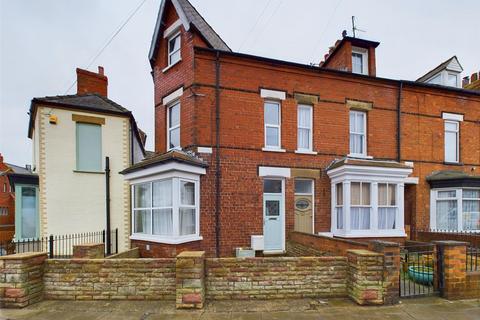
column 17, row 169
column 189, row 16
column 89, row 101
column 153, row 159
column 440, row 67
column 450, row 175
column 369, row 163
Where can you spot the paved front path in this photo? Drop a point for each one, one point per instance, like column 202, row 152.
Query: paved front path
column 334, row 309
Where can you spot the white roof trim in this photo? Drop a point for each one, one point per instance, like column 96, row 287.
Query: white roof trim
column 172, row 29
column 164, row 168
column 452, row 116
column 274, row 172
column 180, row 13
column 273, row 94
column 172, row 96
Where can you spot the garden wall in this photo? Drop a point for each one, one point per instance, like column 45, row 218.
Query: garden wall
column 109, row 279
column 332, row 246
column 275, row 278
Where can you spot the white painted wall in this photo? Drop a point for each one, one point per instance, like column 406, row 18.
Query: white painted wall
column 70, row 201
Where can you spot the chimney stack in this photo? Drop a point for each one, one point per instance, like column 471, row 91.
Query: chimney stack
column 91, row 82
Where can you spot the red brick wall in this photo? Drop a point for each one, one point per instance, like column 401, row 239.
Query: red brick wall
column 7, row 200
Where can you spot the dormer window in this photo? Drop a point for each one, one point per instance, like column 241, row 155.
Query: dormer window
column 360, row 61
column 452, row 80
column 174, row 45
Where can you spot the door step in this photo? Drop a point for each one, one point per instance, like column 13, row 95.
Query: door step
column 274, row 253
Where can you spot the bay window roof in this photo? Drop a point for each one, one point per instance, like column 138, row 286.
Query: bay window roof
column 452, row 178
column 154, row 159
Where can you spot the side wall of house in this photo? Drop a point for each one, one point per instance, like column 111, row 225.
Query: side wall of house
column 72, row 201
column 7, row 203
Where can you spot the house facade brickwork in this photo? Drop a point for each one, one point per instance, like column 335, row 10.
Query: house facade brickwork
column 404, row 124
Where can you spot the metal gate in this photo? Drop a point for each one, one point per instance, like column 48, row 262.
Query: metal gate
column 420, row 272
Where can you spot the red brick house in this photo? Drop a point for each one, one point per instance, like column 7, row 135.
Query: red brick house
column 7, row 199
column 250, row 148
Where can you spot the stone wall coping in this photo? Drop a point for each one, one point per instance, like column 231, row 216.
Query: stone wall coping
column 23, row 256
column 451, row 243
column 89, row 245
column 365, row 253
column 278, row 259
column 112, row 261
column 191, row 254
column 386, row 243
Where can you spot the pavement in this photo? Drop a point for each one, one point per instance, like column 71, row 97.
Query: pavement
column 433, row 308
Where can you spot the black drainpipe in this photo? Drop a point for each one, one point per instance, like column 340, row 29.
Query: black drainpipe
column 399, row 126
column 217, row 154
column 107, row 204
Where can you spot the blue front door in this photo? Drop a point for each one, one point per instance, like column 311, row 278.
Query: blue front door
column 273, row 215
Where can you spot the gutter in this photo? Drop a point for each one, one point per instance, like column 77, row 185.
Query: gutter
column 399, row 124
column 339, row 72
column 217, row 154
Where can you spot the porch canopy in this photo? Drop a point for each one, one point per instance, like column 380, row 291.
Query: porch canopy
column 367, row 197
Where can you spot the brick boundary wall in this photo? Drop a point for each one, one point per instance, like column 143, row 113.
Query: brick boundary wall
column 110, row 279
column 457, row 282
column 89, row 251
column 275, row 277
column 21, row 279
column 391, row 269
column 128, row 254
column 332, row 246
column 295, row 249
column 365, row 277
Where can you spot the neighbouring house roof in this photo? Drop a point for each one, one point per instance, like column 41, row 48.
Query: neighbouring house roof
column 17, row 169
column 189, row 16
column 452, row 178
column 450, row 64
column 366, row 163
column 160, row 158
column 92, row 102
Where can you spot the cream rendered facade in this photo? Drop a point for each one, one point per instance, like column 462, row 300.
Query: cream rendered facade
column 71, row 201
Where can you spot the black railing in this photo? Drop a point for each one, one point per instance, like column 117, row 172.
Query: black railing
column 59, row 246
column 471, row 237
column 418, row 271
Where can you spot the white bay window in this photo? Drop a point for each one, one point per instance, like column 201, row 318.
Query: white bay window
column 166, row 208
column 166, row 198
column 367, row 198
column 455, row 209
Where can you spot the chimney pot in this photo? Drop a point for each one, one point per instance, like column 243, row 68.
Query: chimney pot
column 100, row 70
column 1, row 158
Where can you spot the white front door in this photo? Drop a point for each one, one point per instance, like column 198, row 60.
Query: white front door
column 273, row 215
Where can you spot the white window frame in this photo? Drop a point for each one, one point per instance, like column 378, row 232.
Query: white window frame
column 364, row 53
column 361, row 205
column 170, row 54
column 457, row 146
column 388, row 201
column 309, row 128
column 170, row 106
column 337, row 206
column 175, row 238
column 458, row 198
column 267, row 125
column 364, row 146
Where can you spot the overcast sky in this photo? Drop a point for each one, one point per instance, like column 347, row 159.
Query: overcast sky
column 43, row 41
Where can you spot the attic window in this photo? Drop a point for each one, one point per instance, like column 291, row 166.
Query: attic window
column 360, row 61
column 174, row 44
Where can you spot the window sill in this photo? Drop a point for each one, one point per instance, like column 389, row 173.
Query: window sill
column 358, row 156
column 370, row 234
column 93, row 172
column 165, row 240
column 170, row 66
column 273, row 150
column 453, row 163
column 306, row 152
